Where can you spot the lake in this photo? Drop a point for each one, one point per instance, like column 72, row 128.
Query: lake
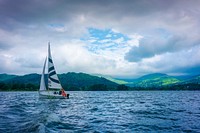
column 101, row 111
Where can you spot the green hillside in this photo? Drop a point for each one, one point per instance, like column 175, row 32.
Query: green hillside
column 150, row 80
column 25, row 79
column 4, row 77
column 193, row 79
column 69, row 81
column 156, row 79
column 82, row 81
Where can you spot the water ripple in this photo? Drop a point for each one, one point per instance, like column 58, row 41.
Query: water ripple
column 97, row 112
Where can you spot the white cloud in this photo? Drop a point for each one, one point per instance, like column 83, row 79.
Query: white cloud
column 134, row 40
column 105, row 41
column 109, row 35
column 169, row 28
column 119, row 40
column 59, row 29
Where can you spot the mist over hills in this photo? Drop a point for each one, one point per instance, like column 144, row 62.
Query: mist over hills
column 82, row 81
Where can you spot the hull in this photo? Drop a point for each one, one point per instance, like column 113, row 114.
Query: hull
column 50, row 95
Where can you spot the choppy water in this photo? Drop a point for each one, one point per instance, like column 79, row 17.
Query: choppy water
column 124, row 111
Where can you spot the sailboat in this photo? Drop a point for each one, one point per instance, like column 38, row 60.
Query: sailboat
column 54, row 89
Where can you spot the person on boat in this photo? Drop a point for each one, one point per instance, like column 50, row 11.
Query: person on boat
column 55, row 92
column 60, row 92
column 67, row 96
column 63, row 93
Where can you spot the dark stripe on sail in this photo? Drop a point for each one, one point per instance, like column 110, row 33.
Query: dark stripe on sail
column 52, row 73
column 54, row 80
column 50, row 60
column 51, row 68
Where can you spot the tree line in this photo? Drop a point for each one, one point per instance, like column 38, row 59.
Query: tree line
column 97, row 87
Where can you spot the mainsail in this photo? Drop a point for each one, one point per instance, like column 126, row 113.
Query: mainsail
column 42, row 81
column 53, row 81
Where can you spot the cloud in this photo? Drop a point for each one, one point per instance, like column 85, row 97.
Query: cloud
column 178, row 62
column 149, row 47
column 109, row 43
column 4, row 46
column 124, row 38
column 75, row 57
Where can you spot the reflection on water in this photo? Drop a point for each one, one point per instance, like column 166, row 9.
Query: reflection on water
column 111, row 111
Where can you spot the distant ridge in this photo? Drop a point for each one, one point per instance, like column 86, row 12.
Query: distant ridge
column 28, row 78
column 86, row 82
column 4, row 77
column 157, row 80
column 83, row 79
column 70, row 81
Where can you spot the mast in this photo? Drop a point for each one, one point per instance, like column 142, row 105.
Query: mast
column 53, row 81
column 42, row 81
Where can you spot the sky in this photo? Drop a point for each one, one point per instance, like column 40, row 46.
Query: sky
column 118, row 38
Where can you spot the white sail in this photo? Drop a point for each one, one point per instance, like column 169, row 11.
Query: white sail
column 42, row 81
column 53, row 81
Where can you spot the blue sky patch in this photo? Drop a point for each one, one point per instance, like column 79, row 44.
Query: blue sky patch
column 102, row 39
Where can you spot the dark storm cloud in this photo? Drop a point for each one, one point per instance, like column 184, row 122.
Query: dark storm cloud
column 53, row 10
column 36, row 10
column 155, row 46
column 20, row 13
column 21, row 16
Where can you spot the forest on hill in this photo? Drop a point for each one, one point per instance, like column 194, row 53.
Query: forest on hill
column 84, row 82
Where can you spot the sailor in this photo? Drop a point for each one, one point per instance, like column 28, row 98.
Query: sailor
column 60, row 92
column 67, row 96
column 63, row 93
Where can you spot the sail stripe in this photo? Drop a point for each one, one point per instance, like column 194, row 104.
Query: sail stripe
column 50, row 60
column 54, row 80
column 52, row 73
column 52, row 76
column 51, row 68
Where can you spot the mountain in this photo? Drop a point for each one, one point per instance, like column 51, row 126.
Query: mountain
column 155, row 80
column 4, row 77
column 25, row 79
column 150, row 80
column 193, row 79
column 69, row 81
column 82, row 81
column 151, row 76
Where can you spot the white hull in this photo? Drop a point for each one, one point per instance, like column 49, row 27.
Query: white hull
column 50, row 95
